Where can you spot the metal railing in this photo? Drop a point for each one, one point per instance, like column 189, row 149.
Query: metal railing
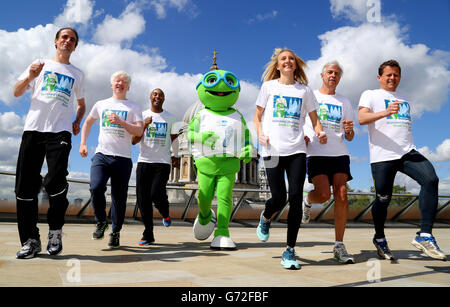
column 243, row 198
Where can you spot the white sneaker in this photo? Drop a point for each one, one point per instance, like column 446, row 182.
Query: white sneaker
column 306, row 210
column 202, row 232
column 429, row 246
column 222, row 243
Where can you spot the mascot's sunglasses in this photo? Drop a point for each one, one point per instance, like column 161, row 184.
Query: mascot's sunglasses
column 213, row 78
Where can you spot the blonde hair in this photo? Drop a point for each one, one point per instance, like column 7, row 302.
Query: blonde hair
column 121, row 73
column 271, row 72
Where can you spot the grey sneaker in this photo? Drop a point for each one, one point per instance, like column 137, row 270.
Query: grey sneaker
column 429, row 246
column 54, row 246
column 306, row 210
column 29, row 249
column 341, row 255
column 383, row 249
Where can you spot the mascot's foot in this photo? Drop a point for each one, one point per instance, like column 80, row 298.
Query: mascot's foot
column 222, row 243
column 202, row 232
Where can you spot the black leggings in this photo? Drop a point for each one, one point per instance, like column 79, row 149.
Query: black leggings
column 418, row 168
column 295, row 168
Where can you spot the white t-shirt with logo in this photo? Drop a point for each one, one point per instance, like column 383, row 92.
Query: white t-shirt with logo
column 53, row 94
column 286, row 107
column 229, row 129
column 156, row 141
column 113, row 139
column 390, row 137
column 333, row 110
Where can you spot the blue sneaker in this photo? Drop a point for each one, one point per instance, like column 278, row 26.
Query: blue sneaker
column 288, row 260
column 145, row 242
column 167, row 221
column 383, row 249
column 429, row 246
column 263, row 229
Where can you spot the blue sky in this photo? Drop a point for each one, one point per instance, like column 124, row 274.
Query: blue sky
column 169, row 44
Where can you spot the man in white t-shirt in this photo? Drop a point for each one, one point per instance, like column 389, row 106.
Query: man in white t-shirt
column 387, row 113
column 119, row 119
column 153, row 169
column 329, row 164
column 55, row 85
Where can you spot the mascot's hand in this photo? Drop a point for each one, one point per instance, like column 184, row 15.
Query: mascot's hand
column 246, row 153
column 209, row 139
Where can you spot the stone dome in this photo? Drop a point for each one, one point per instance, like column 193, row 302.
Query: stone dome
column 190, row 112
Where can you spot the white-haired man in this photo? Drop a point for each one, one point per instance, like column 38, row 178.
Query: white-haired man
column 329, row 165
column 120, row 119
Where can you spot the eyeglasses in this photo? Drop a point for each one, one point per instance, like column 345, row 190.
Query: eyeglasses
column 211, row 79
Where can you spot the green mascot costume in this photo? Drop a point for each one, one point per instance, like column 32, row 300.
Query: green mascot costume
column 219, row 139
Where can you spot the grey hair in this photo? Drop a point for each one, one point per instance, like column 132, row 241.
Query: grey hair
column 123, row 74
column 334, row 62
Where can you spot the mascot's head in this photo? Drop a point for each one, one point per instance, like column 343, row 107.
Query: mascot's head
column 218, row 90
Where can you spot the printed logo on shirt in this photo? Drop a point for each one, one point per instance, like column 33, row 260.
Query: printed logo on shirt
column 56, row 84
column 330, row 112
column 156, row 133
column 228, row 129
column 157, row 130
column 105, row 121
column 286, row 107
column 403, row 112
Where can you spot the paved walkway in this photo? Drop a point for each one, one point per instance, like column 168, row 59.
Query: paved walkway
column 177, row 259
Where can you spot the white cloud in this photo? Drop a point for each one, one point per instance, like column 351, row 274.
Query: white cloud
column 75, row 11
column 9, row 149
column 442, row 153
column 11, row 124
column 36, row 42
column 361, row 49
column 356, row 10
column 263, row 17
column 357, row 159
column 414, row 188
column 127, row 27
column 161, row 7
column 444, row 186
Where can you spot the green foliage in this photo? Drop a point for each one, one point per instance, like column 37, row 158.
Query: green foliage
column 362, row 201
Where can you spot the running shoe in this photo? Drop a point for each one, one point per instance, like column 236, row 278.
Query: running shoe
column 306, row 210
column 341, row 255
column 167, row 221
column 145, row 242
column 29, row 249
column 288, row 259
column 114, row 240
column 263, row 228
column 100, row 229
column 429, row 246
column 54, row 246
column 383, row 249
